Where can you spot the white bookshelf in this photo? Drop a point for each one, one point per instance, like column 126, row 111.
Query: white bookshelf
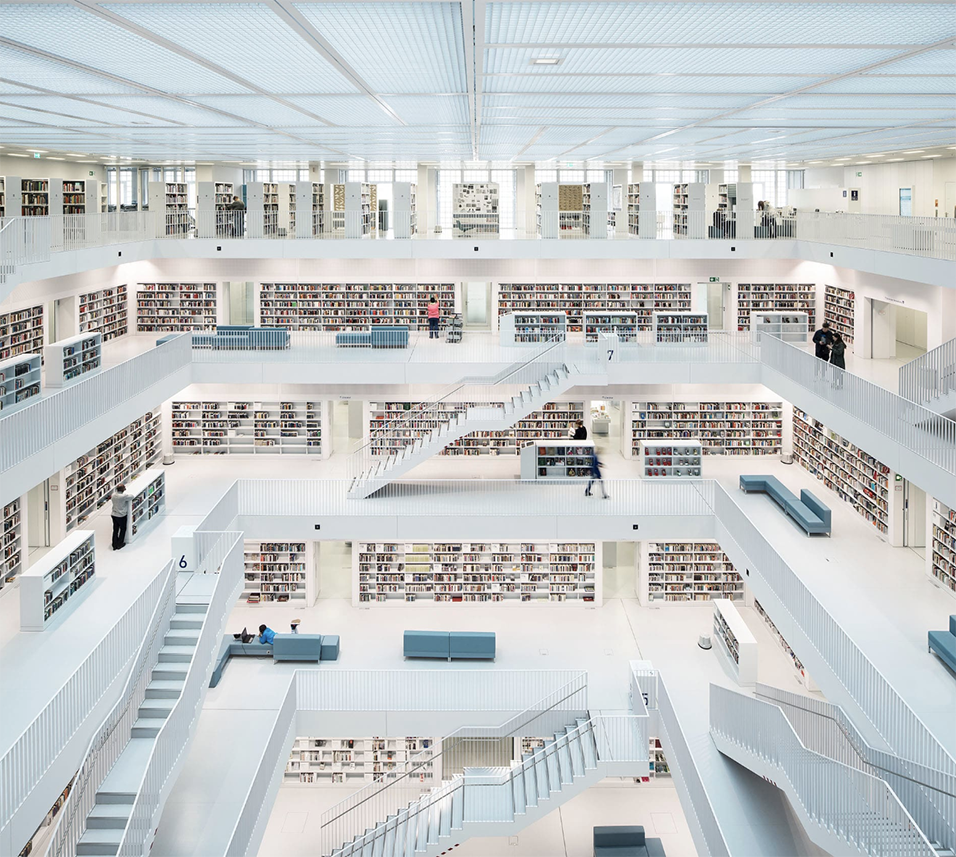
column 262, row 205
column 839, row 308
column 356, row 761
column 70, row 360
column 3, row 197
column 21, row 332
column 576, row 299
column 404, row 209
column 90, row 479
column 19, row 381
column 34, row 198
column 596, row 206
column 802, row 675
column 779, row 297
column 732, row 637
column 248, row 427
column 941, row 559
column 559, row 209
column 147, row 493
column 280, row 573
column 212, row 198
column 106, row 312
column 514, row 573
column 624, row 325
column 532, row 328
column 788, row 326
column 634, row 208
column 692, row 202
column 352, row 210
column 288, row 205
column 672, row 459
column 735, row 201
column 11, row 541
column 723, row 428
column 680, row 328
column 687, row 571
column 74, row 196
column 351, row 306
column 54, row 582
column 175, row 307
column 474, row 209
column 169, row 203
column 557, row 459
column 858, row 478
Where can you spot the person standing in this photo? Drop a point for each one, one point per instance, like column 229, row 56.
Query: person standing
column 234, row 216
column 821, row 341
column 120, row 515
column 434, row 312
column 580, row 432
column 838, row 357
column 595, row 476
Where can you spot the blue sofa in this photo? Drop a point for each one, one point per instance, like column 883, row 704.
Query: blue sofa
column 244, row 337
column 286, row 647
column 465, row 645
column 379, row 336
column 625, row 841
column 812, row 515
column 944, row 644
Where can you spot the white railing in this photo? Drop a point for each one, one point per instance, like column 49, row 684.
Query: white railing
column 22, row 767
column 849, row 803
column 931, row 375
column 174, row 736
column 929, row 795
column 55, row 416
column 929, row 237
column 114, row 734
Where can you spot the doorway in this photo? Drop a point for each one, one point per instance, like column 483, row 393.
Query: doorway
column 63, row 319
column 38, row 516
column 477, row 300
column 239, row 302
column 716, row 304
column 914, row 516
column 910, row 332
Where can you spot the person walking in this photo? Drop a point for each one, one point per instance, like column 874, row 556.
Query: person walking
column 120, row 515
column 838, row 357
column 580, row 432
column 821, row 341
column 595, row 476
column 434, row 313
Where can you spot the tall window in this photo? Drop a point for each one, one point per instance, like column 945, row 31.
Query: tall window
column 771, row 185
column 795, row 179
column 110, row 187
column 126, row 185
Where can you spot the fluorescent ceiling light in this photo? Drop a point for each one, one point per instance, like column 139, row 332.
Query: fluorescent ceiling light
column 860, row 163
column 926, row 157
column 546, row 60
column 40, row 151
column 51, row 158
column 896, row 159
column 814, row 162
column 15, row 155
column 915, row 152
column 76, row 154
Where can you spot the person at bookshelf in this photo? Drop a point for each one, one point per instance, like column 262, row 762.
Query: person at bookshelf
column 595, row 476
column 580, row 432
column 266, row 635
column 821, row 341
column 838, row 357
column 434, row 313
column 120, row 515
column 234, row 218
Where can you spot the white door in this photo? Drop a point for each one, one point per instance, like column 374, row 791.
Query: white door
column 914, row 516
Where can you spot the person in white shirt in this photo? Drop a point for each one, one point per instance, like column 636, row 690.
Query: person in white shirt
column 120, row 514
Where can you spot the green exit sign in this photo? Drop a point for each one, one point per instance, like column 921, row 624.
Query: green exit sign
column 859, row 174
column 715, row 279
column 36, row 154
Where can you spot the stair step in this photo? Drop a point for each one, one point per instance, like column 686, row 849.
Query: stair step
column 191, row 608
column 100, row 841
column 169, row 672
column 181, row 638
column 156, row 709
column 147, row 727
column 164, row 689
column 181, row 624
column 176, row 654
column 109, row 816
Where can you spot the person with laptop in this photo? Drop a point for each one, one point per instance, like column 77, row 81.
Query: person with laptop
column 266, row 635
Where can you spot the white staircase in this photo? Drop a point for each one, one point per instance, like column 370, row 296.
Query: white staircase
column 930, row 379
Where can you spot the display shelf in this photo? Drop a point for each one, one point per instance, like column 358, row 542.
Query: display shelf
column 858, row 478
column 474, row 209
column 277, row 571
column 354, row 761
column 19, row 381
column 11, row 542
column 634, row 208
column 557, row 459
column 247, row 428
column 688, row 571
column 353, row 214
column 147, row 493
column 788, row 326
column 405, row 209
column 175, row 307
column 674, row 459
column 70, row 360
column 91, row 479
column 941, row 558
column 680, row 328
column 781, row 297
column 595, row 209
column 533, row 328
column 658, row 766
column 352, row 306
column 621, row 324
column 34, row 197
column 212, row 201
column 105, row 311
column 723, row 428
column 576, row 299
column 734, row 639
column 170, row 200
column 53, row 581
column 691, row 202
column 516, row 573
column 802, row 675
column 735, row 211
column 21, row 332
column 559, row 209
column 839, row 308
column 74, row 197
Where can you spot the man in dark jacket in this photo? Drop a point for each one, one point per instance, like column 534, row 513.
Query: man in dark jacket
column 580, row 432
column 821, row 341
column 233, row 218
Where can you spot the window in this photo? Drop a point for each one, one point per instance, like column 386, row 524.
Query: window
column 771, row 186
column 127, row 196
column 545, row 175
column 111, row 187
column 409, row 175
column 795, row 179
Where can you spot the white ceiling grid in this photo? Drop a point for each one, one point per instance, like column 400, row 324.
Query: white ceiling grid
column 285, row 80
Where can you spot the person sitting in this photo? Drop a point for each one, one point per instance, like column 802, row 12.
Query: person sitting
column 580, row 432
column 266, row 635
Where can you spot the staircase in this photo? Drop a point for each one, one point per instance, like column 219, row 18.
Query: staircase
column 930, row 379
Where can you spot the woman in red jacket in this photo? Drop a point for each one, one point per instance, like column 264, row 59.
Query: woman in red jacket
column 433, row 314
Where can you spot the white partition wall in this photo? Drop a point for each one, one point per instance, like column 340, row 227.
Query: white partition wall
column 733, row 640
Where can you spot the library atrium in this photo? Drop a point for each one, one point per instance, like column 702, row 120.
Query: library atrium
column 490, row 428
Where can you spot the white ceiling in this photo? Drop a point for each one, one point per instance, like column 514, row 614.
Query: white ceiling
column 281, row 80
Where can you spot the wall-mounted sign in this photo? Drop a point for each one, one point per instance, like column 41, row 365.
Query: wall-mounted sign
column 715, row 279
column 894, row 300
column 91, row 172
column 854, row 196
column 860, row 174
column 36, row 154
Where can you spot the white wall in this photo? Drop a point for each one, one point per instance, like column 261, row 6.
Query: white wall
column 42, row 168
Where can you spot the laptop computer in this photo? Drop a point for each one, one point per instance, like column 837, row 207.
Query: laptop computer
column 244, row 637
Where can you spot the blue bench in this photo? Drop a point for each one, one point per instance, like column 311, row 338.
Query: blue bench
column 466, row 645
column 286, row 647
column 944, row 644
column 625, row 841
column 812, row 515
column 380, row 336
column 244, row 337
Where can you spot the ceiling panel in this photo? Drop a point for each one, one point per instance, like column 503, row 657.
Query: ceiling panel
column 567, row 83
column 352, row 110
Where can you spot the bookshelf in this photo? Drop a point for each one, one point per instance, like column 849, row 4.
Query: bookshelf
column 673, row 459
column 658, row 766
column 942, row 557
column 839, row 308
column 248, row 427
column 175, row 307
column 559, row 209
column 54, row 580
column 733, row 638
column 802, row 675
column 69, row 360
column 3, row 197
column 624, row 325
column 557, row 459
column 287, row 199
column 70, row 196
column 515, row 573
column 735, row 202
column 19, row 381
column 170, row 201
column 634, row 208
column 788, row 326
column 34, row 197
column 147, row 493
column 576, row 299
column 91, row 478
column 687, row 571
column 351, row 306
column 280, row 572
column 858, row 478
column 595, row 209
column 780, row 297
column 680, row 328
column 262, row 205
column 21, row 332
column 11, row 542
column 532, row 328
column 211, row 199
column 352, row 211
column 356, row 761
column 405, row 209
column 474, row 209
column 692, row 201
column 105, row 312
column 723, row 428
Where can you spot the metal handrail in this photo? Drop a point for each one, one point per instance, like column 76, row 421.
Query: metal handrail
column 931, row 375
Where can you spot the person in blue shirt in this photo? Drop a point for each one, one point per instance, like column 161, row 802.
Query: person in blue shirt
column 266, row 635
